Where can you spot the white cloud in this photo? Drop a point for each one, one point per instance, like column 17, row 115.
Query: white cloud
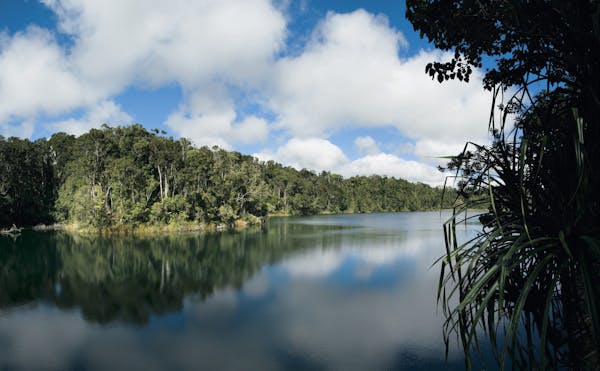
column 120, row 43
column 22, row 129
column 310, row 153
column 218, row 128
column 187, row 41
column 35, row 78
column 350, row 74
column 204, row 46
column 406, row 147
column 390, row 165
column 210, row 119
column 366, row 145
column 320, row 154
column 105, row 112
column 432, row 150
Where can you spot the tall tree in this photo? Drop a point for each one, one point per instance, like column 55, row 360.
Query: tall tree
column 127, row 176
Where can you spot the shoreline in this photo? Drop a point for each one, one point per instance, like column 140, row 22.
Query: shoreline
column 149, row 229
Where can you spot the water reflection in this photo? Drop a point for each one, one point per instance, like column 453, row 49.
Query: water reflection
column 129, row 279
column 347, row 292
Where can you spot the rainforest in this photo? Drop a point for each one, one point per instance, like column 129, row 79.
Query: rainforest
column 129, row 177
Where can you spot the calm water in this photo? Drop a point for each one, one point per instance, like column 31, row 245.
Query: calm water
column 344, row 292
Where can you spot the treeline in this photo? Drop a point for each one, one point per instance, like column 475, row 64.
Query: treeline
column 126, row 176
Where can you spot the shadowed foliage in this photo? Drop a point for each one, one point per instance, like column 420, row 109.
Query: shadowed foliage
column 530, row 279
column 129, row 279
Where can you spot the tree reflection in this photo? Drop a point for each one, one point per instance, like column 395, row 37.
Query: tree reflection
column 128, row 278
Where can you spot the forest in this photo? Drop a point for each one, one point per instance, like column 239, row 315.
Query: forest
column 128, row 177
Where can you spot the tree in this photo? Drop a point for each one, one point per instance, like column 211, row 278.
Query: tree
column 26, row 182
column 122, row 177
column 532, row 274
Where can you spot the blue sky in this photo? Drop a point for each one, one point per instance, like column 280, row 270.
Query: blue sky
column 326, row 85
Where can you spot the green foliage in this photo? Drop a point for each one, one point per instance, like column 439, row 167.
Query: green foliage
column 530, row 279
column 126, row 176
column 546, row 39
column 26, row 182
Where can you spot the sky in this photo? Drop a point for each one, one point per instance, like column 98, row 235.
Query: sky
column 335, row 85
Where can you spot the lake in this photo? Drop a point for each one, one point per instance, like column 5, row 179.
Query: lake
column 339, row 292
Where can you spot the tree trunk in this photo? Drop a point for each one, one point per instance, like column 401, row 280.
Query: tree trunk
column 160, row 181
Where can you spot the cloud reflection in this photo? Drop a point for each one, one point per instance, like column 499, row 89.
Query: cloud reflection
column 287, row 315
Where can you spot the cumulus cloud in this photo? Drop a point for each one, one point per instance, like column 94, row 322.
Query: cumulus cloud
column 105, row 112
column 186, row 41
column 120, row 43
column 310, row 153
column 320, row 154
column 391, row 165
column 432, row 150
column 405, row 147
column 218, row 128
column 366, row 145
column 210, row 119
column 20, row 129
column 36, row 78
column 350, row 74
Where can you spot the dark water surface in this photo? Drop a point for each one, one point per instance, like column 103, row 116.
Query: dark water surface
column 343, row 292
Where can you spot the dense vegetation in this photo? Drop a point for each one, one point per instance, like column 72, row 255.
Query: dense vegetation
column 531, row 279
column 127, row 176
